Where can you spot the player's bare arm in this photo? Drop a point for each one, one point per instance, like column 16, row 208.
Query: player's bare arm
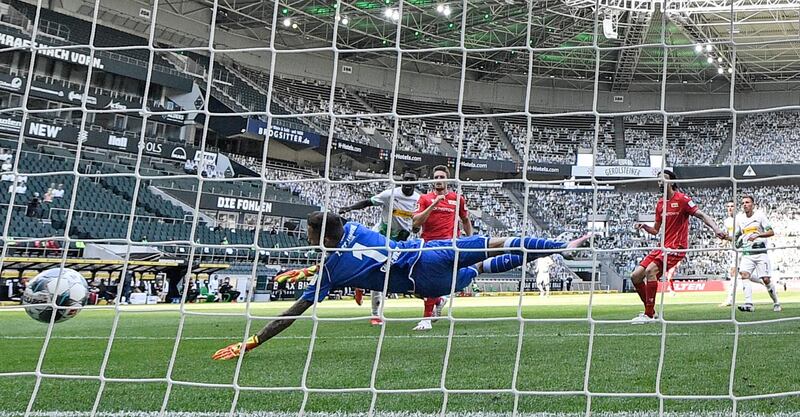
column 765, row 234
column 269, row 331
column 467, row 225
column 422, row 217
column 711, row 224
column 653, row 230
column 274, row 327
column 357, row 206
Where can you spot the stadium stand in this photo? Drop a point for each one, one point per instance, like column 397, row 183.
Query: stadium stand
column 103, row 203
column 692, row 140
column 759, row 135
column 556, row 139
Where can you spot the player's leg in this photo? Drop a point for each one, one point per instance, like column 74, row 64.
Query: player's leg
column 646, row 277
column 376, row 298
column 672, row 262
column 435, row 277
column 652, row 274
column 439, row 306
column 764, row 272
column 637, row 278
column 670, row 276
column 747, row 267
column 732, row 289
column 466, row 275
column 509, row 245
column 773, row 293
column 516, row 244
column 427, row 312
column 430, row 305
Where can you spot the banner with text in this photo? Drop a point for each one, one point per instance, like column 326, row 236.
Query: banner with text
column 216, row 202
column 539, row 169
column 283, row 134
column 615, row 171
column 124, row 65
column 104, row 140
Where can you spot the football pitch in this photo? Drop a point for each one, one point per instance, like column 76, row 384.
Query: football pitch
column 491, row 356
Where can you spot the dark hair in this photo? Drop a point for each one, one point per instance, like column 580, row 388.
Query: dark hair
column 441, row 168
column 752, row 200
column 334, row 225
column 410, row 172
column 671, row 175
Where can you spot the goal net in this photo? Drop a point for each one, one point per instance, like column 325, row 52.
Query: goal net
column 171, row 151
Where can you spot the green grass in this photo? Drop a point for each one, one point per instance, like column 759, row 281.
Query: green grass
column 482, row 356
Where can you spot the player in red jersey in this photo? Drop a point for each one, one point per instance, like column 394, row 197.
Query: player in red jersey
column 676, row 236
column 436, row 215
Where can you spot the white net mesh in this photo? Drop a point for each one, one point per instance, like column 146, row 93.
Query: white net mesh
column 686, row 105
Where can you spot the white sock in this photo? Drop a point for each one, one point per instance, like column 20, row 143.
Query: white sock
column 731, row 293
column 773, row 292
column 377, row 297
column 748, row 291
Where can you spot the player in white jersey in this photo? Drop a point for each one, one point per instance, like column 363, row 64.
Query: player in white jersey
column 752, row 230
column 729, row 224
column 398, row 205
column 543, row 266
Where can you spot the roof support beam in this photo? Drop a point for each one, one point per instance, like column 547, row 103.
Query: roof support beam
column 638, row 27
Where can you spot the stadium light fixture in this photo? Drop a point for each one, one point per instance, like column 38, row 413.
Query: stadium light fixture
column 287, row 22
column 709, row 60
column 345, row 20
column 709, row 48
column 609, row 28
column 730, row 70
column 294, row 26
column 719, row 59
column 392, row 14
column 720, row 70
column 698, row 48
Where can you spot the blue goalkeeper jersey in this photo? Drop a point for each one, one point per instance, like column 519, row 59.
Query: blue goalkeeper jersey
column 364, row 265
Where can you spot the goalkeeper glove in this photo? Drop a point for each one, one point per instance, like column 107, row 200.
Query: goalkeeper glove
column 234, row 350
column 297, row 274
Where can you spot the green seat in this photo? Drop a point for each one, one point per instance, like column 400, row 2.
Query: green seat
column 205, row 294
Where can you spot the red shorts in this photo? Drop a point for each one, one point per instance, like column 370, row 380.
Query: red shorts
column 657, row 257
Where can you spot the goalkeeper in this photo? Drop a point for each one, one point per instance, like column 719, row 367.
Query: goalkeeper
column 363, row 264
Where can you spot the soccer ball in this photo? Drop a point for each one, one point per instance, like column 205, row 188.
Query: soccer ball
column 69, row 291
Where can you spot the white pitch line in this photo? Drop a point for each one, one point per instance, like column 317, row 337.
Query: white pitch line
column 391, row 414
column 418, row 336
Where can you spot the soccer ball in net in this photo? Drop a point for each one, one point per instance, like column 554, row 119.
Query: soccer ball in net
column 70, row 293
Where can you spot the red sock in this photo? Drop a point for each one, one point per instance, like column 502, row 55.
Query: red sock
column 672, row 285
column 430, row 304
column 651, row 289
column 640, row 290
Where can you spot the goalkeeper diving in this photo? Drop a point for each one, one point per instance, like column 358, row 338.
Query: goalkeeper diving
column 416, row 266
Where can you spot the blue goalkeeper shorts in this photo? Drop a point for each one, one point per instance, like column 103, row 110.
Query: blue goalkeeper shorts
column 433, row 271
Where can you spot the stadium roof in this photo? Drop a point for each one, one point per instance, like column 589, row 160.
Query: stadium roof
column 557, row 38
